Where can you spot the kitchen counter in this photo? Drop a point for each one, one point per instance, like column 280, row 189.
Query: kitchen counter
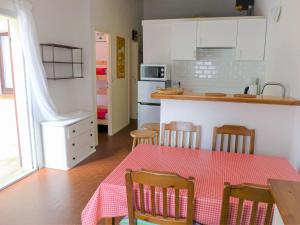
column 230, row 98
column 273, row 118
column 287, row 198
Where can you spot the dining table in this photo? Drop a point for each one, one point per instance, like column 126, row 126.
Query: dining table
column 211, row 169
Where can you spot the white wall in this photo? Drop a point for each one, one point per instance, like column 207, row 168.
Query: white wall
column 117, row 17
column 262, row 118
column 283, row 57
column 166, row 9
column 67, row 22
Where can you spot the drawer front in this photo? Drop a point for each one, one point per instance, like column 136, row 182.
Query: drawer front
column 80, row 146
column 80, row 127
column 79, row 142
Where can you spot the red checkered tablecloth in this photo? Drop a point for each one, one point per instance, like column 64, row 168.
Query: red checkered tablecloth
column 210, row 169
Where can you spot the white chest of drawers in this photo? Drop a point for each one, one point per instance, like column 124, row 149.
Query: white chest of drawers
column 68, row 142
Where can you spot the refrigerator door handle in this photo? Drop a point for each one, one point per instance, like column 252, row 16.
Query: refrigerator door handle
column 148, row 103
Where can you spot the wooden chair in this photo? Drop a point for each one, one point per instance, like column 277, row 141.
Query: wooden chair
column 142, row 137
column 184, row 129
column 250, row 192
column 230, row 131
column 154, row 127
column 162, row 180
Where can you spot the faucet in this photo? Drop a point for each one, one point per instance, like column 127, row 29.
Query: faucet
column 274, row 84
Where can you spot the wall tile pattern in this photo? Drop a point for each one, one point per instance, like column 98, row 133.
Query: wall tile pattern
column 216, row 70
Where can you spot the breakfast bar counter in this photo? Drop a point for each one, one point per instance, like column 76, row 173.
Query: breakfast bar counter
column 272, row 100
column 273, row 118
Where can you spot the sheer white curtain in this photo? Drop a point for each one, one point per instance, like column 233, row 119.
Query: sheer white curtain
column 43, row 105
column 39, row 99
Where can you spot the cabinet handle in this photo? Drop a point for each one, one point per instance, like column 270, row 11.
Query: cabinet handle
column 73, row 144
column 91, row 135
column 74, row 131
column 92, row 122
column 74, row 158
column 92, row 146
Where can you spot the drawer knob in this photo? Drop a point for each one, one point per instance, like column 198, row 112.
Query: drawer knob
column 73, row 144
column 74, row 131
column 92, row 146
column 92, row 122
column 74, row 158
column 91, row 135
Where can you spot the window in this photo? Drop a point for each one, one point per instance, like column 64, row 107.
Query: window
column 6, row 69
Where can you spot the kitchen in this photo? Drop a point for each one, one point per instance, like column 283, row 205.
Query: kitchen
column 224, row 54
column 224, row 59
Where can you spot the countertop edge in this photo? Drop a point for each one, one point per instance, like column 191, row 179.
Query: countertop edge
column 288, row 101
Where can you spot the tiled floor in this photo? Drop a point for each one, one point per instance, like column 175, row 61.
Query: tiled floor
column 58, row 197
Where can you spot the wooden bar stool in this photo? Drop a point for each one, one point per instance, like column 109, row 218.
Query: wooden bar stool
column 153, row 127
column 142, row 137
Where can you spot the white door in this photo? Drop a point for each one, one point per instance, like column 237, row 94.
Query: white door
column 184, row 40
column 217, row 33
column 156, row 43
column 134, row 76
column 251, row 39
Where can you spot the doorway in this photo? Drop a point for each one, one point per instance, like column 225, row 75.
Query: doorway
column 103, row 81
column 16, row 156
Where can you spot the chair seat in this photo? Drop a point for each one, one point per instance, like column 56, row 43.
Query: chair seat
column 125, row 221
column 151, row 126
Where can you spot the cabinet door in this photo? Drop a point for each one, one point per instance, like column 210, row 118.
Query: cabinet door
column 156, row 43
column 217, row 34
column 183, row 44
column 251, row 39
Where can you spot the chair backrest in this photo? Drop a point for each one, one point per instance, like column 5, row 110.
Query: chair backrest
column 182, row 134
column 233, row 131
column 249, row 192
column 153, row 180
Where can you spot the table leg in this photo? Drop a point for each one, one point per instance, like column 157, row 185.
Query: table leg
column 110, row 221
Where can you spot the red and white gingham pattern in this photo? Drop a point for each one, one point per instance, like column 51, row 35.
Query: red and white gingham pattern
column 210, row 170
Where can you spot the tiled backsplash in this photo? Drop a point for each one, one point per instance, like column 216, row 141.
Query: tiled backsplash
column 216, row 70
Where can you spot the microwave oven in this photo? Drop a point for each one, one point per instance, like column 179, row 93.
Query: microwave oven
column 155, row 72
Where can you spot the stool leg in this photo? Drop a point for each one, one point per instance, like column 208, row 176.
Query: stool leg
column 152, row 141
column 134, row 143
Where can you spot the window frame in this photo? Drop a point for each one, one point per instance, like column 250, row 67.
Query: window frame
column 4, row 91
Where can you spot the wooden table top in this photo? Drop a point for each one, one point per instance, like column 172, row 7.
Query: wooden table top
column 287, row 197
column 271, row 100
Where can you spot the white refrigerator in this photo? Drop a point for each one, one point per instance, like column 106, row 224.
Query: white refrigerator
column 148, row 108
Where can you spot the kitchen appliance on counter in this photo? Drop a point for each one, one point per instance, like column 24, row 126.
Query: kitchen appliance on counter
column 155, row 72
column 148, row 108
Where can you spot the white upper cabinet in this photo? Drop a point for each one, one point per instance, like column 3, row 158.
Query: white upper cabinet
column 156, row 43
column 251, row 39
column 217, row 34
column 183, row 40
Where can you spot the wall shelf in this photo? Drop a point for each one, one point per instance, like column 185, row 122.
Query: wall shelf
column 102, row 91
column 102, row 77
column 72, row 51
column 102, row 122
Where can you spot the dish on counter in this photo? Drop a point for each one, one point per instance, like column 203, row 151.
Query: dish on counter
column 170, row 91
